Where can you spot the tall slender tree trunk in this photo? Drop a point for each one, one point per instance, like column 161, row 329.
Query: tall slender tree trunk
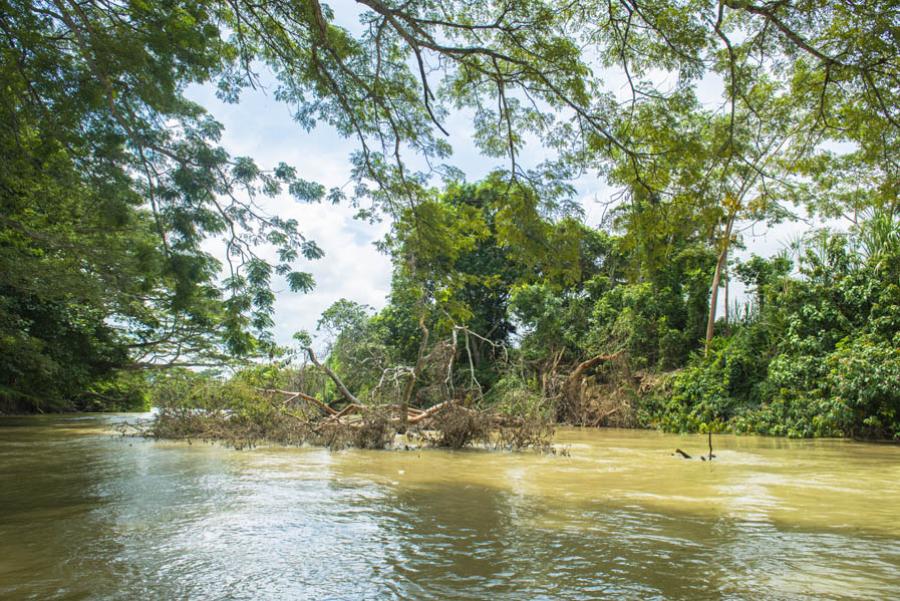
column 727, row 281
column 417, row 370
column 717, row 280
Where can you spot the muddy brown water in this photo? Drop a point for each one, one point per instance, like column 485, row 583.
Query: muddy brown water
column 85, row 514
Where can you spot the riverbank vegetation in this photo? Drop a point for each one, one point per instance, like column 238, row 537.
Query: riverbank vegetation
column 137, row 266
column 813, row 353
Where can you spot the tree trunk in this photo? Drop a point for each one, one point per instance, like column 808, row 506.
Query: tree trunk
column 337, row 381
column 717, row 279
column 727, row 327
column 411, row 386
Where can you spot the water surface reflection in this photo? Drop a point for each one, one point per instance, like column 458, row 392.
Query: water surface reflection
column 84, row 514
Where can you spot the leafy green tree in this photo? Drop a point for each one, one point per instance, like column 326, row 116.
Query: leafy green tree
column 112, row 183
column 358, row 351
column 468, row 249
column 760, row 275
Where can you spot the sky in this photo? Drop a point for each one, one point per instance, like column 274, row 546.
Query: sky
column 352, row 268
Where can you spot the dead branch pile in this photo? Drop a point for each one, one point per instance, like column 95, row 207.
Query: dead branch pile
column 410, row 406
column 294, row 418
column 592, row 394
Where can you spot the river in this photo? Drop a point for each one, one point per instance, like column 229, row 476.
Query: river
column 86, row 514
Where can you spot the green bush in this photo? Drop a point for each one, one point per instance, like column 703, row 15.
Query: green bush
column 715, row 388
column 863, row 378
column 648, row 323
column 512, row 395
column 791, row 414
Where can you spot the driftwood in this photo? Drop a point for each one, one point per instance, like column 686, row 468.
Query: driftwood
column 709, row 457
column 430, row 411
column 294, row 395
column 348, row 410
column 413, row 414
column 354, row 408
column 376, row 426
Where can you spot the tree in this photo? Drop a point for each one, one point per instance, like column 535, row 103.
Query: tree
column 112, row 183
column 467, row 250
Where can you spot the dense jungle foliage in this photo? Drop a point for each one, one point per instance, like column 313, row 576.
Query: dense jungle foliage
column 135, row 258
column 815, row 352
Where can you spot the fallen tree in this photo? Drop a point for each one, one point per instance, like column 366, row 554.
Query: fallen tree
column 424, row 404
column 295, row 418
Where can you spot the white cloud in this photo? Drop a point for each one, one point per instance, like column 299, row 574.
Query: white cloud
column 352, row 268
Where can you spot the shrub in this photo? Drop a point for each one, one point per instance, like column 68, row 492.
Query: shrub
column 863, row 378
